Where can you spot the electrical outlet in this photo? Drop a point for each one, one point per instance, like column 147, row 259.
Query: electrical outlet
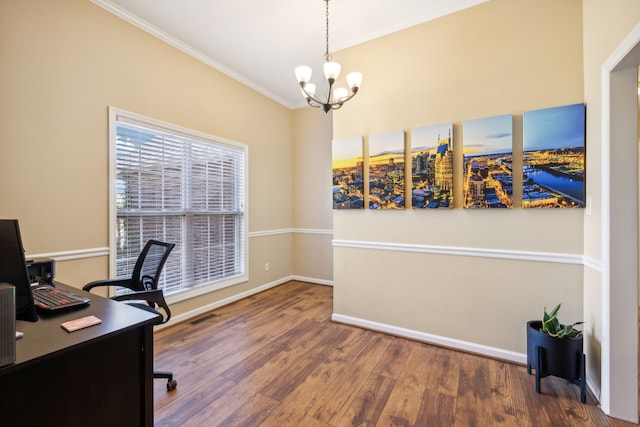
column 266, row 266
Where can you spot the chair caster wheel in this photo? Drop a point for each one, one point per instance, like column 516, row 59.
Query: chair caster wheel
column 171, row 385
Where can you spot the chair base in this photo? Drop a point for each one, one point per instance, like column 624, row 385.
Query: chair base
column 171, row 383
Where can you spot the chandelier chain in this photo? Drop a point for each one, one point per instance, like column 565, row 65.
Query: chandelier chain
column 326, row 53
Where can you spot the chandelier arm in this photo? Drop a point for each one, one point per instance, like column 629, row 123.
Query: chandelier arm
column 338, row 104
column 331, row 82
column 353, row 93
column 311, row 103
column 310, row 97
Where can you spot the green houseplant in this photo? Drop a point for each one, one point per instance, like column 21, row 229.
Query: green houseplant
column 551, row 325
column 556, row 349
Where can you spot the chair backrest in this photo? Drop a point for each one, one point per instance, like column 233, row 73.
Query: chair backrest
column 148, row 268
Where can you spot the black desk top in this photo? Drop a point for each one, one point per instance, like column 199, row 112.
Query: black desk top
column 46, row 338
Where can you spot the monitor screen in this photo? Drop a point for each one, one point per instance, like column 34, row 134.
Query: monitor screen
column 13, row 268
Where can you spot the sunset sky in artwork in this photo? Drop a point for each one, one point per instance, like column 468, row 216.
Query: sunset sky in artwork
column 490, row 135
column 550, row 128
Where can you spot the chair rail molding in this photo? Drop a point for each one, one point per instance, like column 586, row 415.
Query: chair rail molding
column 71, row 255
column 562, row 258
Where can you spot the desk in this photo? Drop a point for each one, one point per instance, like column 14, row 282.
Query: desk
column 98, row 376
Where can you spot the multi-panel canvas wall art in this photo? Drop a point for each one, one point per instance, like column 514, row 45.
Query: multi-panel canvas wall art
column 348, row 172
column 553, row 164
column 553, row 145
column 386, row 170
column 432, row 167
column 488, row 162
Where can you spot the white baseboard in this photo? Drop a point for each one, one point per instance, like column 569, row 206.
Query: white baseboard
column 483, row 350
column 375, row 326
column 595, row 389
column 217, row 304
column 496, row 353
column 206, row 308
column 313, row 280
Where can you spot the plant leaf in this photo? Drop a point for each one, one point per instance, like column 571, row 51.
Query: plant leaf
column 551, row 325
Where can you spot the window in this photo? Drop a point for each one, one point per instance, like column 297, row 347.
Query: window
column 183, row 187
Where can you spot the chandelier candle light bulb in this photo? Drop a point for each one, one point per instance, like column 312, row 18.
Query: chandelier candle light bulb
column 331, row 72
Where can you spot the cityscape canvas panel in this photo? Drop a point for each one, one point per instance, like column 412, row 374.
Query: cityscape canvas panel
column 347, row 165
column 386, row 170
column 553, row 157
column 488, row 162
column 432, row 167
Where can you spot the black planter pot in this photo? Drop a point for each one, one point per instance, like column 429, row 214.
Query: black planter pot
column 560, row 357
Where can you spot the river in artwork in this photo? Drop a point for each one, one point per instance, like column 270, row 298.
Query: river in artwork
column 571, row 187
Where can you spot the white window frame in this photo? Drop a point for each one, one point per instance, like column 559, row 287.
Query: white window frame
column 117, row 115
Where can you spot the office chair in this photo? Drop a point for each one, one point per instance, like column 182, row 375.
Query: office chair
column 143, row 286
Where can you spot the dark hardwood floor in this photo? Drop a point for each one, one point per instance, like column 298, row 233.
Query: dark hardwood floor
column 276, row 359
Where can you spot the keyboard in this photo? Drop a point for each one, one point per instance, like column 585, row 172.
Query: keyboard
column 50, row 299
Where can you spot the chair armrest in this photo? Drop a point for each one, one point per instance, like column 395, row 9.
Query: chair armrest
column 152, row 297
column 126, row 283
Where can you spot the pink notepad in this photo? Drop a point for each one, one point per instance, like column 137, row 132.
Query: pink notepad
column 81, row 323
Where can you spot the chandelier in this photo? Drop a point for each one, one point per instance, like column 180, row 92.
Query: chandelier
column 340, row 95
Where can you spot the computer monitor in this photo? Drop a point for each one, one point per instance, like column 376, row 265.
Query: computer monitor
column 13, row 268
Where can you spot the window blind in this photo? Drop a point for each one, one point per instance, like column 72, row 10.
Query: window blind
column 182, row 187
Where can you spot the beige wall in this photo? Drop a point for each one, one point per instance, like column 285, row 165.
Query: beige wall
column 415, row 271
column 62, row 64
column 312, row 219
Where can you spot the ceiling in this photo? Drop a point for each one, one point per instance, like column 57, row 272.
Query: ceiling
column 260, row 42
